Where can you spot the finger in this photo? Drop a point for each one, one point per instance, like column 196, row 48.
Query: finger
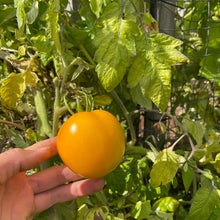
column 17, row 160
column 51, row 178
column 67, row 192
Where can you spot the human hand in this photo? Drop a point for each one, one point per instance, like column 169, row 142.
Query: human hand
column 23, row 196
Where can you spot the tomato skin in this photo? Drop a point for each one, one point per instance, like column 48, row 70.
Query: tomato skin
column 91, row 144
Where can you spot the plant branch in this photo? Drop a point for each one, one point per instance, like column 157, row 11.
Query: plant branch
column 127, row 116
column 12, row 124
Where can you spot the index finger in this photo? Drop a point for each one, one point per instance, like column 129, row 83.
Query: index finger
column 18, row 160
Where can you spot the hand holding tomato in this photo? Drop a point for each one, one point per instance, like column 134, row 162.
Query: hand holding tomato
column 91, row 144
column 21, row 196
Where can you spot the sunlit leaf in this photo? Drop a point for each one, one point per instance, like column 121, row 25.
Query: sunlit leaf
column 141, row 210
column 164, row 168
column 115, row 46
column 152, row 66
column 96, row 6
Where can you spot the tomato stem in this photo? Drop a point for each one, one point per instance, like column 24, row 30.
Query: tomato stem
column 56, row 106
column 127, row 116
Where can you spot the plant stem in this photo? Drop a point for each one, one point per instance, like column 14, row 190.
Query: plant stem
column 127, row 116
column 87, row 55
column 56, row 107
column 12, row 124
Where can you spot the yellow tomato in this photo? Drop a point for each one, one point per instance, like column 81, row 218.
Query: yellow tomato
column 91, row 144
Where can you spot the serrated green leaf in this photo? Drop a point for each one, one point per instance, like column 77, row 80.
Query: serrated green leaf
column 12, row 89
column 17, row 139
column 166, row 40
column 196, row 129
column 164, row 168
column 203, row 204
column 115, row 46
column 151, row 67
column 157, row 82
column 141, row 210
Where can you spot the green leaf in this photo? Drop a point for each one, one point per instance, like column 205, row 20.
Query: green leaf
column 151, row 67
column 96, row 6
column 115, row 46
column 21, row 15
column 102, row 100
column 42, row 43
column 164, row 169
column 141, row 210
column 187, row 176
column 196, row 129
column 6, row 14
column 33, row 13
column 203, row 204
column 52, row 19
column 17, row 139
column 116, row 180
column 139, row 97
column 12, row 89
column 210, row 67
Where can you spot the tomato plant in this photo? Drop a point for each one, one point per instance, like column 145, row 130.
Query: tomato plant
column 111, row 55
column 92, row 144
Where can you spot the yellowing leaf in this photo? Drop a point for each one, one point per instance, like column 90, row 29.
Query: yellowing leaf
column 102, row 100
column 12, row 89
column 151, row 68
column 115, row 46
column 31, row 78
column 164, row 168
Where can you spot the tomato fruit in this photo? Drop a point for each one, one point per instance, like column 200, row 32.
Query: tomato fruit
column 92, row 143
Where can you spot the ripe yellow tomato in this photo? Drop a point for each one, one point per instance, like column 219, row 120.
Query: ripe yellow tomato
column 91, row 144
